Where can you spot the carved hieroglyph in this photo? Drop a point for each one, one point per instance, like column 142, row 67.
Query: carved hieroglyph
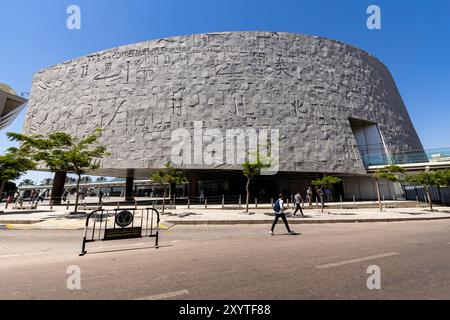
column 305, row 86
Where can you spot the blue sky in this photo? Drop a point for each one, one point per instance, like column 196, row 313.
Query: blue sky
column 414, row 41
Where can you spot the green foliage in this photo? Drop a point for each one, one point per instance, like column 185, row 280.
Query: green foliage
column 444, row 178
column 252, row 169
column 439, row 178
column 392, row 173
column 14, row 163
column 169, row 175
column 62, row 152
column 329, row 180
column 426, row 178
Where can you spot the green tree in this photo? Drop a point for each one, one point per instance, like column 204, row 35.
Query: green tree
column 325, row 181
column 427, row 179
column 60, row 151
column 252, row 169
column 46, row 182
column 86, row 179
column 13, row 164
column 168, row 176
column 443, row 177
column 26, row 182
column 391, row 173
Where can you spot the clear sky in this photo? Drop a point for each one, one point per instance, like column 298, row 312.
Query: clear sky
column 414, row 41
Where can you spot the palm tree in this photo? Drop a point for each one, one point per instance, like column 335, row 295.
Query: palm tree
column 26, row 182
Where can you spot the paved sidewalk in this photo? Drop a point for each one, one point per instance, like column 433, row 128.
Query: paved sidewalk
column 59, row 219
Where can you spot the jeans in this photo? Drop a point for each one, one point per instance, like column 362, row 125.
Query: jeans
column 298, row 207
column 282, row 216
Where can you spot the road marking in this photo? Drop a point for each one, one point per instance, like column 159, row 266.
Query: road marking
column 166, row 295
column 341, row 263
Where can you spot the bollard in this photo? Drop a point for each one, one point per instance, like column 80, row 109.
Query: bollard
column 395, row 201
column 256, row 203
column 189, row 203
column 118, row 205
column 342, row 204
column 292, row 198
column 6, row 205
column 287, row 204
column 206, row 203
column 417, row 200
column 240, row 201
column 271, row 202
column 51, row 204
column 303, row 203
column 174, row 200
column 68, row 204
column 135, row 204
column 223, row 201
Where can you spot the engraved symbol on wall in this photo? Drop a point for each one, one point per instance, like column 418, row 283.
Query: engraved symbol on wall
column 297, row 104
column 238, row 105
column 108, row 118
column 106, row 73
column 84, row 70
column 177, row 104
column 282, row 68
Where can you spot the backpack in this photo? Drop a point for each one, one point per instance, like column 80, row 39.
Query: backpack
column 276, row 206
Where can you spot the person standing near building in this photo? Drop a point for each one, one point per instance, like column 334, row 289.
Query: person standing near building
column 279, row 213
column 309, row 196
column 298, row 204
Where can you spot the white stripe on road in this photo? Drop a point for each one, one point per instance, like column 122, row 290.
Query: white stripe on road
column 166, row 295
column 341, row 263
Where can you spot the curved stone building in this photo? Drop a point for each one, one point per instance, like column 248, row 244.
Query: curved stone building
column 336, row 108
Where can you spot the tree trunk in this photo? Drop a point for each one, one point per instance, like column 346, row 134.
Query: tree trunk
column 427, row 190
column 377, row 183
column 77, row 193
column 248, row 195
column 164, row 200
column 2, row 187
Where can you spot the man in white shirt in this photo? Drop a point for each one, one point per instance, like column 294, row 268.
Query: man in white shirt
column 279, row 213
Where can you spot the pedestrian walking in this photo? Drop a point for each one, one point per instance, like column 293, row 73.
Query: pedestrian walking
column 33, row 196
column 100, row 197
column 279, row 213
column 298, row 204
column 65, row 194
column 309, row 196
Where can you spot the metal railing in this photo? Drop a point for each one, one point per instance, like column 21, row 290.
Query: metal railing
column 127, row 223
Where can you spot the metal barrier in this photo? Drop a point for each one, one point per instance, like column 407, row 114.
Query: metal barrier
column 128, row 223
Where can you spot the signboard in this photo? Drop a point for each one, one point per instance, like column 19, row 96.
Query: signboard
column 124, row 218
column 125, row 233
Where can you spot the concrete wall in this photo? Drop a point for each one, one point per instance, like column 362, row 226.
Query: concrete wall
column 305, row 86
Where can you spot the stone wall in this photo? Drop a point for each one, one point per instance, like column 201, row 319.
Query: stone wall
column 305, row 86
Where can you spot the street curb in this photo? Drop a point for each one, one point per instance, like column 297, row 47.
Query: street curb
column 20, row 221
column 316, row 221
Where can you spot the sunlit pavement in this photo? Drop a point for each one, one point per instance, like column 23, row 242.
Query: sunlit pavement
column 234, row 262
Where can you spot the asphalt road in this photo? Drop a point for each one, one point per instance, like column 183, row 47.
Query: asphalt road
column 234, row 262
